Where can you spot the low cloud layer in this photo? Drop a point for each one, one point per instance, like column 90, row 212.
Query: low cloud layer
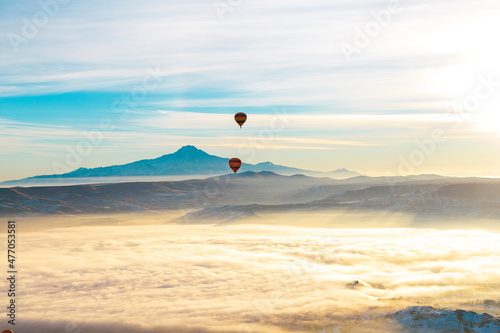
column 246, row 278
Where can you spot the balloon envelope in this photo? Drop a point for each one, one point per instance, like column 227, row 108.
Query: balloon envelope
column 240, row 118
column 8, row 331
column 235, row 164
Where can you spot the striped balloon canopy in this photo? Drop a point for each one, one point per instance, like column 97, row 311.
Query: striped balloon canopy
column 240, row 118
column 235, row 164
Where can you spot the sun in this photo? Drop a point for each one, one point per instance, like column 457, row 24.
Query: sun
column 489, row 119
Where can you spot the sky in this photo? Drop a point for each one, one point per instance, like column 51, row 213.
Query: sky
column 378, row 87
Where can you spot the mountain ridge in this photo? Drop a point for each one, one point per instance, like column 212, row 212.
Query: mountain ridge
column 234, row 196
column 188, row 160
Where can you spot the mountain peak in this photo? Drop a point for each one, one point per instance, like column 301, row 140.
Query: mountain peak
column 188, row 149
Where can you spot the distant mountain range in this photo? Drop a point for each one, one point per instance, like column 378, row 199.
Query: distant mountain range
column 188, row 160
column 426, row 199
column 229, row 198
column 242, row 188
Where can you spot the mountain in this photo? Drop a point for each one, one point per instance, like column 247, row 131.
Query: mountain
column 231, row 197
column 262, row 187
column 429, row 319
column 222, row 215
column 188, row 160
column 426, row 201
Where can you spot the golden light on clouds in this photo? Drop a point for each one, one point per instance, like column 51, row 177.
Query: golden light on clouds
column 268, row 278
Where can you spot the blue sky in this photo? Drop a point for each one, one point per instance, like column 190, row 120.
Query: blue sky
column 164, row 74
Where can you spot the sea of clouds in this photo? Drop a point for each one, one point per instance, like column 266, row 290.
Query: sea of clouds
column 247, row 278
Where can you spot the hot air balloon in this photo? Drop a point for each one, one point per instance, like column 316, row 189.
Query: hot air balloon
column 8, row 331
column 240, row 118
column 235, row 164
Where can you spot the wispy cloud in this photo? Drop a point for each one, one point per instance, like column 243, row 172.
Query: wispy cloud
column 261, row 50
